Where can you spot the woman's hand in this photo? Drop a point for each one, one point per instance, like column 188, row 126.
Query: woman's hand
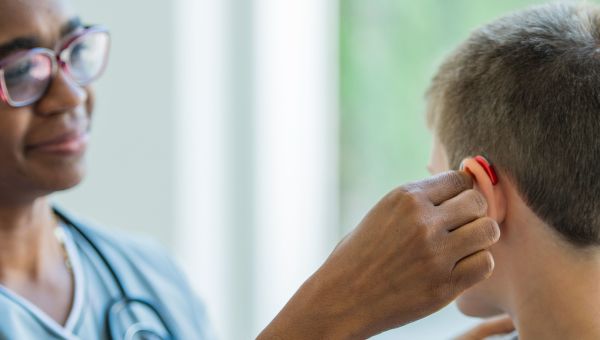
column 496, row 326
column 414, row 252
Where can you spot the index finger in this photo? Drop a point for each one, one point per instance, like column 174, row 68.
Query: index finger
column 444, row 186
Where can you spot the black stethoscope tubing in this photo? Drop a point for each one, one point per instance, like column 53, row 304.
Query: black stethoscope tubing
column 124, row 300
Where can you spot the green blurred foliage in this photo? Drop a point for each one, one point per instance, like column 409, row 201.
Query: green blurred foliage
column 390, row 49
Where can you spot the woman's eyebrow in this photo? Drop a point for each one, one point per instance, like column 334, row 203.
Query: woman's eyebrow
column 71, row 25
column 26, row 43
column 21, row 43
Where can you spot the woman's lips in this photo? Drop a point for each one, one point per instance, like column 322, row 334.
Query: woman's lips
column 74, row 142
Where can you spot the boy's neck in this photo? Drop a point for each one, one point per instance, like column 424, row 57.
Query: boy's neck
column 554, row 288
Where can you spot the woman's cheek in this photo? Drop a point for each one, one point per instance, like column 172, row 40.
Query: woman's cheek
column 91, row 100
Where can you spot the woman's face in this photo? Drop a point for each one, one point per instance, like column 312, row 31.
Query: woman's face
column 42, row 145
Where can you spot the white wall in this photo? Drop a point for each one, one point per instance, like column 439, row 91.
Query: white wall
column 296, row 170
column 203, row 184
column 257, row 190
column 130, row 161
column 216, row 133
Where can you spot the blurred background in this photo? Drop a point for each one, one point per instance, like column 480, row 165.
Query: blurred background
column 250, row 136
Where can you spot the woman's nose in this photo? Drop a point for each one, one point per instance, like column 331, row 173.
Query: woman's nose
column 62, row 95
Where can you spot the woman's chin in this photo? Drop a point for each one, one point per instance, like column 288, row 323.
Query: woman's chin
column 54, row 171
column 67, row 183
column 60, row 181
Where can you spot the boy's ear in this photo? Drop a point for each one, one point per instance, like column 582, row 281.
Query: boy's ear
column 485, row 180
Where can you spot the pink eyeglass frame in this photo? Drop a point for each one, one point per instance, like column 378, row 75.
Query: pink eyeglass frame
column 58, row 58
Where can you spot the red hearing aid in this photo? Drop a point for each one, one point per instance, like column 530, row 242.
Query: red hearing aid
column 487, row 166
column 479, row 167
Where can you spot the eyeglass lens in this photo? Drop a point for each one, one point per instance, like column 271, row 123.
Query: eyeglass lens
column 27, row 78
column 86, row 57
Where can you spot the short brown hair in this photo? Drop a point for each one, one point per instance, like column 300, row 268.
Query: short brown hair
column 525, row 92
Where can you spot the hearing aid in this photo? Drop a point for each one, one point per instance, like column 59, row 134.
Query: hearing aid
column 487, row 166
column 477, row 167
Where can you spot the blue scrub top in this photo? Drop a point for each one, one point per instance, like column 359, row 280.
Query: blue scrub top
column 146, row 271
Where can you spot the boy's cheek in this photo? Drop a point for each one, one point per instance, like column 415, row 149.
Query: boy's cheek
column 438, row 160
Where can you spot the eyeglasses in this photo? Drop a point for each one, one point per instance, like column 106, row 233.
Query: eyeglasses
column 26, row 75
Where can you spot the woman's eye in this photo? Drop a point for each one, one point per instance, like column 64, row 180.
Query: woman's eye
column 78, row 51
column 17, row 71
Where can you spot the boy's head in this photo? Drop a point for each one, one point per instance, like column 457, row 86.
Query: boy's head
column 525, row 92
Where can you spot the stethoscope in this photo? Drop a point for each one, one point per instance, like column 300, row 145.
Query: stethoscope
column 125, row 306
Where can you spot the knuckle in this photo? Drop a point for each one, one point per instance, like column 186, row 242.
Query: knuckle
column 408, row 199
column 422, row 232
column 398, row 194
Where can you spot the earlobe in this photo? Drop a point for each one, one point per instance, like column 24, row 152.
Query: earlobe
column 486, row 180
